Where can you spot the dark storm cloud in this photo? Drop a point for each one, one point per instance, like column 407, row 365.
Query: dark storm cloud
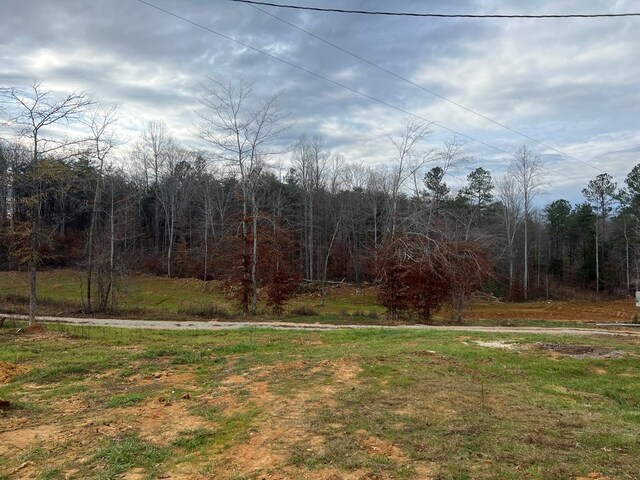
column 569, row 83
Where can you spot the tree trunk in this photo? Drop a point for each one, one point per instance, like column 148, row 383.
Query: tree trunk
column 33, row 267
column 254, row 256
column 626, row 240
column 323, row 290
column 92, row 230
column 310, row 247
column 170, row 235
column 511, row 271
column 109, row 298
column 525, row 283
column 206, row 246
column 597, row 258
column 33, row 241
column 156, row 223
column 246, row 266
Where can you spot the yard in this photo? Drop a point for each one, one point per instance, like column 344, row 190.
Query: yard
column 87, row 402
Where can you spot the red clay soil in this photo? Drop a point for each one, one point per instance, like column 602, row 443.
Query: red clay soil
column 623, row 311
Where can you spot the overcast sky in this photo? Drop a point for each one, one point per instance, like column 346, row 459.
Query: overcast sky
column 572, row 83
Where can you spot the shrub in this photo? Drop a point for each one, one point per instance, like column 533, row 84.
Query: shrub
column 205, row 311
column 304, row 312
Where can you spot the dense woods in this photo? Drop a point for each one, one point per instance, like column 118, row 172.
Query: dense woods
column 230, row 211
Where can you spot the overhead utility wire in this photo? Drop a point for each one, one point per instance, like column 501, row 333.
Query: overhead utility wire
column 400, row 77
column 439, row 15
column 346, row 87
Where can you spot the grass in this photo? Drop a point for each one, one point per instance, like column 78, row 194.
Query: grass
column 143, row 296
column 192, row 440
column 51, row 474
column 122, row 454
column 124, row 400
column 382, row 403
column 62, row 289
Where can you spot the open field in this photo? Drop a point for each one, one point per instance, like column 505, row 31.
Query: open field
column 359, row 404
column 60, row 293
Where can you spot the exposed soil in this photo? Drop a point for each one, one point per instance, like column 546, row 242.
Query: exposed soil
column 579, row 351
column 284, row 423
column 287, row 422
column 622, row 311
column 10, row 370
column 559, row 350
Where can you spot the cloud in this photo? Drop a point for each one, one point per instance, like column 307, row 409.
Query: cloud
column 571, row 84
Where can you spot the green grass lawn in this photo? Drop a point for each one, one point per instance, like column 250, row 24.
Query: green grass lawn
column 140, row 292
column 249, row 404
column 149, row 295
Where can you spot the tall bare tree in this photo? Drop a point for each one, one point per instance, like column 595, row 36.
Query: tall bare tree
column 102, row 141
column 174, row 193
column 33, row 113
column 151, row 150
column 511, row 210
column 376, row 190
column 407, row 162
column 243, row 135
column 310, row 162
column 528, row 174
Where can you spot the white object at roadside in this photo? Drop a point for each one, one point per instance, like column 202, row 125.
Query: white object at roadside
column 637, row 299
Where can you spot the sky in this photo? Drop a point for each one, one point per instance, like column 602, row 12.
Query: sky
column 572, row 84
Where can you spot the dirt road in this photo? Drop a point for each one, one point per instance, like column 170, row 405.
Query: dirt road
column 220, row 325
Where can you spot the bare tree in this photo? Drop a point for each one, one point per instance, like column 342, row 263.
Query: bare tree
column 102, row 142
column 527, row 172
column 151, row 150
column 376, row 190
column 408, row 160
column 310, row 162
column 174, row 192
column 32, row 113
column 213, row 200
column 334, row 213
column 512, row 214
column 243, row 136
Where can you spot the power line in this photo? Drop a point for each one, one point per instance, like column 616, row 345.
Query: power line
column 417, row 85
column 346, row 87
column 438, row 15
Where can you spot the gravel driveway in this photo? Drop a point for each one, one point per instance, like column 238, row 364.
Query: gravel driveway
column 221, row 325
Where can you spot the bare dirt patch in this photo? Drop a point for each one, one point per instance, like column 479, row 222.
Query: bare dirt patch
column 41, row 333
column 14, row 441
column 497, row 344
column 622, row 311
column 267, row 449
column 161, row 422
column 10, row 370
column 69, row 406
column 579, row 351
column 593, row 476
column 377, row 446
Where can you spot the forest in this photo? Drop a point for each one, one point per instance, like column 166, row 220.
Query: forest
column 264, row 217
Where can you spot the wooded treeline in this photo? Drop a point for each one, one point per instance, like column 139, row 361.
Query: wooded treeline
column 236, row 212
